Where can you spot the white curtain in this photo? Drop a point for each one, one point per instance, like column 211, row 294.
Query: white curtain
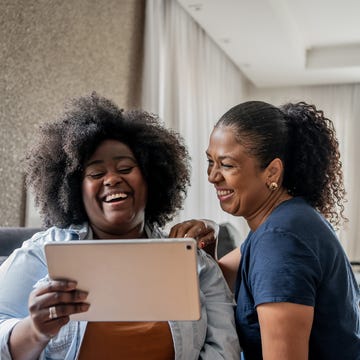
column 340, row 103
column 189, row 82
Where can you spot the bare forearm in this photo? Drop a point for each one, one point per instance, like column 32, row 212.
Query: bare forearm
column 25, row 343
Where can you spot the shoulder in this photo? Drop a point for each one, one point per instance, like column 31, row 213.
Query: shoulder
column 34, row 247
column 289, row 240
column 294, row 209
column 210, row 274
column 294, row 223
column 276, row 246
column 205, row 261
column 296, row 215
column 54, row 233
column 153, row 231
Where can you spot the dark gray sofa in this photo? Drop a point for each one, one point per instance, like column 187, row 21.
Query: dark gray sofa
column 12, row 238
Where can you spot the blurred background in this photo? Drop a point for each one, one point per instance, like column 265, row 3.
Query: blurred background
column 188, row 61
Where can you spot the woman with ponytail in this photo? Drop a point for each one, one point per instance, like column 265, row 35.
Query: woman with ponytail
column 280, row 169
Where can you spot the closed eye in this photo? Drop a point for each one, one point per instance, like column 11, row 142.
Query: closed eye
column 227, row 166
column 95, row 175
column 126, row 170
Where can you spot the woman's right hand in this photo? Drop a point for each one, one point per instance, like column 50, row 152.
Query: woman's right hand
column 51, row 305
column 204, row 231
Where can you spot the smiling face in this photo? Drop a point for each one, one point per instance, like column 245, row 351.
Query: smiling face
column 114, row 192
column 239, row 181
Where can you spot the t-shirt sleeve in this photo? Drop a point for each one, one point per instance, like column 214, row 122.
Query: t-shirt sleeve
column 284, row 269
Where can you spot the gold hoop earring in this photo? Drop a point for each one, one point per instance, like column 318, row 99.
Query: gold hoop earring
column 273, row 186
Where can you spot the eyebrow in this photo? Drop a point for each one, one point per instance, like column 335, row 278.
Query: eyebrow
column 95, row 162
column 222, row 157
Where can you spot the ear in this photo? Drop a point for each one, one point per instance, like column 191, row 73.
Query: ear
column 274, row 172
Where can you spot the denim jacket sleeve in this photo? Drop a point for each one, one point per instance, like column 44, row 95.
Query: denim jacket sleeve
column 221, row 340
column 19, row 274
column 213, row 336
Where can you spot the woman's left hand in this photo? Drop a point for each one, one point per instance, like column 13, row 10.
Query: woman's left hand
column 204, row 231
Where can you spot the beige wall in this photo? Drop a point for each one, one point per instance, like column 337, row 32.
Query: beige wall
column 51, row 50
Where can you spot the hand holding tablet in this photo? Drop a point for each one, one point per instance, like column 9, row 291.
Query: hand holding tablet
column 130, row 280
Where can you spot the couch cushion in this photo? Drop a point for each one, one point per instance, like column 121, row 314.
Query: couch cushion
column 13, row 237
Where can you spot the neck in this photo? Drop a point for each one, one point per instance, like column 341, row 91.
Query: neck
column 137, row 232
column 273, row 201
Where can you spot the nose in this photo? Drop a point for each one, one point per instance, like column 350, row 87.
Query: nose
column 112, row 178
column 214, row 174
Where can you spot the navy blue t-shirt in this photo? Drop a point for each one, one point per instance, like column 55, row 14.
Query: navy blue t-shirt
column 295, row 256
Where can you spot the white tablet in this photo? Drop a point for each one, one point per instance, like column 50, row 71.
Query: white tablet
column 130, row 280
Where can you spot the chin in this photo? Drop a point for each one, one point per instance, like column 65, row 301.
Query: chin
column 124, row 221
column 231, row 211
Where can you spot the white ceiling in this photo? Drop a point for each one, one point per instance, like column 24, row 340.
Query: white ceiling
column 285, row 42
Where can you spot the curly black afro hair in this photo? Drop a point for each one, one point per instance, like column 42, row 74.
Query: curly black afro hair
column 54, row 168
column 304, row 139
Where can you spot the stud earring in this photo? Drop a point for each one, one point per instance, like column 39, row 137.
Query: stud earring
column 273, row 186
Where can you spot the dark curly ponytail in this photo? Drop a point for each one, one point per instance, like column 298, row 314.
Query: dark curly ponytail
column 312, row 164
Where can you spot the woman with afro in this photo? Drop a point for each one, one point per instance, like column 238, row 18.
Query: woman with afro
column 103, row 173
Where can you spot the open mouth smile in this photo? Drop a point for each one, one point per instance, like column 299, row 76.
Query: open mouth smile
column 224, row 192
column 115, row 197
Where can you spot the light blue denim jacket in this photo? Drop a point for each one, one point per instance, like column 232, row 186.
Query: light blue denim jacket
column 212, row 337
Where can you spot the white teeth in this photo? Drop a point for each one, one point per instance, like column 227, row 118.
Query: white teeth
column 224, row 192
column 116, row 196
